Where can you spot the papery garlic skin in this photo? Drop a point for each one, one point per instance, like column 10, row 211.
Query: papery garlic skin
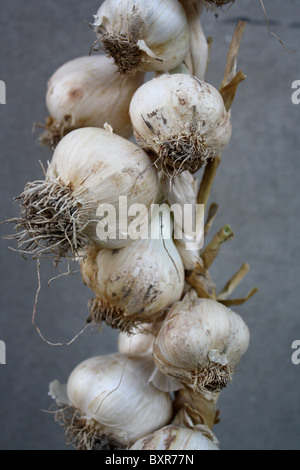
column 173, row 437
column 181, row 120
column 141, row 343
column 90, row 167
column 147, row 35
column 200, row 343
column 135, row 284
column 113, row 396
column 184, row 191
column 88, row 92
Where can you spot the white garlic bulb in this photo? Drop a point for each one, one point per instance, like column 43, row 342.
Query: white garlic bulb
column 150, row 35
column 88, row 92
column 209, row 3
column 173, row 437
column 181, row 120
column 135, row 284
column 113, row 402
column 200, row 343
column 90, row 167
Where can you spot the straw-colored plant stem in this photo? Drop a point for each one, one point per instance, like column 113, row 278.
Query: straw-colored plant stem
column 191, row 408
column 200, row 279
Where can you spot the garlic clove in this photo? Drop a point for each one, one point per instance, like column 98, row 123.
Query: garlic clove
column 200, row 343
column 58, row 392
column 147, row 35
column 181, row 120
column 112, row 402
column 173, row 437
column 90, row 168
column 198, row 57
column 88, row 92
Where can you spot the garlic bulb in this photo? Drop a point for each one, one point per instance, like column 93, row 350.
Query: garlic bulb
column 181, row 120
column 150, row 35
column 88, row 92
column 112, row 402
column 135, row 284
column 200, row 343
column 90, row 168
column 196, row 411
column 173, row 437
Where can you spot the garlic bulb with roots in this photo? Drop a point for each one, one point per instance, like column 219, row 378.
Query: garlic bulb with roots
column 200, row 343
column 88, row 92
column 174, row 437
column 138, row 342
column 147, row 35
column 181, row 120
column 135, row 284
column 211, row 4
column 90, row 169
column 110, row 403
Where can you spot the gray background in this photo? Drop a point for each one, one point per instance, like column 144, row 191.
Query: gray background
column 257, row 188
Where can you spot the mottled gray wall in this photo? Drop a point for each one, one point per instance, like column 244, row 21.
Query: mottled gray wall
column 257, row 188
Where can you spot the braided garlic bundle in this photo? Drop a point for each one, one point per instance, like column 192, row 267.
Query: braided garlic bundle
column 179, row 345
column 200, row 343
